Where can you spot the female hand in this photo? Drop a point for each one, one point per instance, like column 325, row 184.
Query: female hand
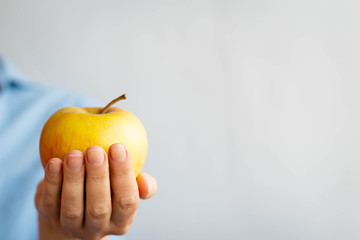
column 90, row 206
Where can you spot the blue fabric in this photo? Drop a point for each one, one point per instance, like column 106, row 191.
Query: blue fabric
column 24, row 109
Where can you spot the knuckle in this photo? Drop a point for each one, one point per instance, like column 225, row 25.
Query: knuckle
column 70, row 214
column 98, row 177
column 74, row 180
column 50, row 180
column 129, row 202
column 47, row 205
column 122, row 171
column 99, row 212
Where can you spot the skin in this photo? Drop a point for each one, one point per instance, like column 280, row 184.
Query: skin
column 72, row 204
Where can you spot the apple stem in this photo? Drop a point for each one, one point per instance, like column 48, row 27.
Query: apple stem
column 105, row 109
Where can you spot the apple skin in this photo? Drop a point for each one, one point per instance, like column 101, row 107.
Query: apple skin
column 75, row 128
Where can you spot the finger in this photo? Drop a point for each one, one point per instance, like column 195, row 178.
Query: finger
column 38, row 195
column 72, row 197
column 147, row 185
column 125, row 194
column 50, row 197
column 98, row 193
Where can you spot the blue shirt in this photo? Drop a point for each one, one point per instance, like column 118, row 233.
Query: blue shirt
column 24, row 109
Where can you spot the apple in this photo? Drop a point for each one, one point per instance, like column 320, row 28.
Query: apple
column 75, row 128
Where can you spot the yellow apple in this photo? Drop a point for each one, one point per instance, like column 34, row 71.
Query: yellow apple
column 75, row 128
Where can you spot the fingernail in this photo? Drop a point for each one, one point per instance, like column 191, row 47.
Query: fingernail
column 118, row 153
column 75, row 162
column 95, row 157
column 54, row 167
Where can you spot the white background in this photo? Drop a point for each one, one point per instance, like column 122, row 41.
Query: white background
column 252, row 108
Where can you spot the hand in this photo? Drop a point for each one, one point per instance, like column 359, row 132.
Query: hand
column 90, row 206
